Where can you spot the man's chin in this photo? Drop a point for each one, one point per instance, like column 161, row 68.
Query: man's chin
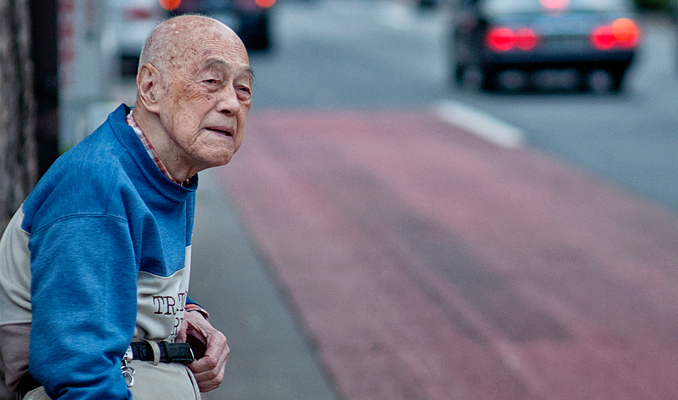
column 220, row 160
column 213, row 156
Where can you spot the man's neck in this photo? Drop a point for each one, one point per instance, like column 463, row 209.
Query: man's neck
column 168, row 159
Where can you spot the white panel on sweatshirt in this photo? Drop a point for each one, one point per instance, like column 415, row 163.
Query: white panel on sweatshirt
column 15, row 273
column 161, row 303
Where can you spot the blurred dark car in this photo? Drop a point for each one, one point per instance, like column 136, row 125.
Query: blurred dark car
column 250, row 19
column 495, row 41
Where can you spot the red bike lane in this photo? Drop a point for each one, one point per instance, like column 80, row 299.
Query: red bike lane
column 425, row 263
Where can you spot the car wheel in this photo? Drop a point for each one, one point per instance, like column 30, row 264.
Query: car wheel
column 582, row 84
column 468, row 77
column 605, row 81
column 617, row 84
column 489, row 80
column 513, row 80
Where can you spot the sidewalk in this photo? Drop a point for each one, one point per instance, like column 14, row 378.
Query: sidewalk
column 271, row 357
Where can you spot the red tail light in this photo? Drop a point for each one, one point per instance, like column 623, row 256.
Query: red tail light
column 265, row 3
column 501, row 39
column 526, row 39
column 621, row 33
column 626, row 32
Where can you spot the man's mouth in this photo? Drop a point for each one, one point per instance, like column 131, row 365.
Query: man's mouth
column 222, row 130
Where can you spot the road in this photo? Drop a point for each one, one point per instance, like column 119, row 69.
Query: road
column 383, row 54
column 426, row 263
column 420, row 261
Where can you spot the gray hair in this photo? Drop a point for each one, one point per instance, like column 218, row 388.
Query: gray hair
column 153, row 47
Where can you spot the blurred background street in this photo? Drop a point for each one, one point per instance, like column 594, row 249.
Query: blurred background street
column 385, row 234
column 348, row 54
column 386, row 54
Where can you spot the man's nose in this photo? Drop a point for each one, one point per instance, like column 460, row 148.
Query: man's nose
column 228, row 101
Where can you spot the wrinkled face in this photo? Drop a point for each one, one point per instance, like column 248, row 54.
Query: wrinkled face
column 206, row 94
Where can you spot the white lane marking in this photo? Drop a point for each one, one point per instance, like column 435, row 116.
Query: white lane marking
column 480, row 124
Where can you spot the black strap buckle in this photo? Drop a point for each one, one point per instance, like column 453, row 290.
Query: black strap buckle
column 169, row 352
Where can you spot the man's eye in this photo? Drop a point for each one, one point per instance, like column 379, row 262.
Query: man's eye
column 244, row 92
column 212, row 82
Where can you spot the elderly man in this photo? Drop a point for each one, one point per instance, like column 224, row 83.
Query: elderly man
column 94, row 267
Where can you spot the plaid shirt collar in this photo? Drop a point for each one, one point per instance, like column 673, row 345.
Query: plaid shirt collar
column 149, row 148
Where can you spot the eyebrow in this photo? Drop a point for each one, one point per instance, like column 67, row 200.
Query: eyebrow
column 249, row 71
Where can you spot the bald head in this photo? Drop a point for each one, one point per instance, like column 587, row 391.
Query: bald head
column 172, row 41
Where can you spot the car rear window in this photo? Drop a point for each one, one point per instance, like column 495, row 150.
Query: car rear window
column 530, row 6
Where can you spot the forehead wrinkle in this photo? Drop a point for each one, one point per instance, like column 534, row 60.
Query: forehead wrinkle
column 216, row 63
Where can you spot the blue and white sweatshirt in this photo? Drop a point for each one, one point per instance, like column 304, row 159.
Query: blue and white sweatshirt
column 97, row 256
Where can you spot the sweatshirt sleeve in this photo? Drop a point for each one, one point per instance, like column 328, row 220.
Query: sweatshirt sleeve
column 84, row 306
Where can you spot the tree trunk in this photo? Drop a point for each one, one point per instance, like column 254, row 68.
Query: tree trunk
column 18, row 158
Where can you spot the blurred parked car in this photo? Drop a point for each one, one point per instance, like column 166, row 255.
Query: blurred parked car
column 128, row 22
column 508, row 42
column 250, row 19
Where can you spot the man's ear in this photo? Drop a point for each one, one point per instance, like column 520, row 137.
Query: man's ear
column 149, row 87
